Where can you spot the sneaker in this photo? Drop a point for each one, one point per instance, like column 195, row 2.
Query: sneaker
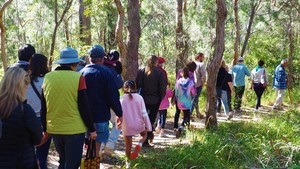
column 148, row 145
column 135, row 152
column 178, row 132
column 162, row 133
column 127, row 164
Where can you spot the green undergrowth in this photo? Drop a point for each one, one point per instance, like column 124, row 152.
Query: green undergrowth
column 272, row 142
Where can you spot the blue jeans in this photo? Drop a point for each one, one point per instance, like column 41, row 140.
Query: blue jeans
column 222, row 98
column 102, row 130
column 162, row 118
column 196, row 100
column 69, row 148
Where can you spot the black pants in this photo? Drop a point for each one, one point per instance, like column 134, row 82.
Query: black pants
column 152, row 113
column 239, row 92
column 259, row 90
column 186, row 117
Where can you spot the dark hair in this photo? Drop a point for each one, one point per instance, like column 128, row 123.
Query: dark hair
column 129, row 87
column 191, row 66
column 25, row 52
column 151, row 63
column 38, row 66
column 185, row 72
column 261, row 63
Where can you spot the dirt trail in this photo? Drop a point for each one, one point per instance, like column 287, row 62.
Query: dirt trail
column 112, row 163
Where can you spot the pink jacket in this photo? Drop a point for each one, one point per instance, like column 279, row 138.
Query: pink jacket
column 135, row 117
column 164, row 104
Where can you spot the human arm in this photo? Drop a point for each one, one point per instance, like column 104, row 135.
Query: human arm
column 33, row 125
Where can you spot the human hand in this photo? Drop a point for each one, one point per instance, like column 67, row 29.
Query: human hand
column 93, row 135
column 119, row 121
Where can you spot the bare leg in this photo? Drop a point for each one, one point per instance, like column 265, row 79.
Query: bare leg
column 98, row 145
column 144, row 136
column 128, row 146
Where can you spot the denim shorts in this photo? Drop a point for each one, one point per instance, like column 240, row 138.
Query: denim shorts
column 102, row 130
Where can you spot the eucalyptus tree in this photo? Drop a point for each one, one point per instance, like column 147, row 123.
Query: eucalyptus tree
column 2, row 28
column 84, row 24
column 213, row 65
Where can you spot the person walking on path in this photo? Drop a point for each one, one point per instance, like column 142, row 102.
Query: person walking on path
column 111, row 61
column 184, row 92
column 135, row 120
column 65, row 112
column 239, row 71
column 280, row 83
column 222, row 86
column 152, row 83
column 25, row 53
column 164, row 105
column 102, row 93
column 37, row 70
column 259, row 82
column 200, row 79
column 20, row 129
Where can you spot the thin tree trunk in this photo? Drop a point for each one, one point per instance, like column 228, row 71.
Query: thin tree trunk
column 119, row 29
column 133, row 36
column 3, row 33
column 57, row 23
column 179, row 37
column 291, row 53
column 254, row 8
column 213, row 65
column 237, row 31
column 85, row 25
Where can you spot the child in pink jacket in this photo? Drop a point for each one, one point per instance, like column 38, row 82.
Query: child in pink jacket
column 135, row 120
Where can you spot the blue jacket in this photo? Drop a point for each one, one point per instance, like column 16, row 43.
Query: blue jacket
column 21, row 131
column 279, row 81
column 102, row 92
column 117, row 77
column 239, row 72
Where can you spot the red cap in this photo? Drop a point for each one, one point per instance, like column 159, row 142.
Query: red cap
column 161, row 60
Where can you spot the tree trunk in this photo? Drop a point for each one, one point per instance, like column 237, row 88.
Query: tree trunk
column 291, row 53
column 119, row 29
column 254, row 8
column 180, row 60
column 213, row 65
column 133, row 36
column 3, row 33
column 237, row 31
column 57, row 23
column 85, row 25
column 67, row 32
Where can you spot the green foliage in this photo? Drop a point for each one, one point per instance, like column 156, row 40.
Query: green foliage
column 270, row 143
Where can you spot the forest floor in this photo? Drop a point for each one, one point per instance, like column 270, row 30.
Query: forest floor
column 169, row 138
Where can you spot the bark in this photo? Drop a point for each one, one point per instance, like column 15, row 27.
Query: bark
column 57, row 23
column 67, row 31
column 119, row 29
column 213, row 65
column 254, row 8
column 291, row 53
column 237, row 32
column 85, row 25
column 3, row 33
column 133, row 36
column 179, row 37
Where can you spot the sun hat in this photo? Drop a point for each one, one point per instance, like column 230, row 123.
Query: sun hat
column 112, row 57
column 96, row 51
column 68, row 55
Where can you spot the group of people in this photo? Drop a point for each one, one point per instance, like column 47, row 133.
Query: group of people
column 75, row 102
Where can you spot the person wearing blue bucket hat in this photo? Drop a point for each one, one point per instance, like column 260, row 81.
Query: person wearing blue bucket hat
column 65, row 114
column 102, row 93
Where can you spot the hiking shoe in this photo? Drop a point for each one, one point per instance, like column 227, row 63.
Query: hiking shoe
column 178, row 132
column 157, row 129
column 135, row 152
column 230, row 116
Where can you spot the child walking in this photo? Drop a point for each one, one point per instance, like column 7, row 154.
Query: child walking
column 135, row 120
column 184, row 93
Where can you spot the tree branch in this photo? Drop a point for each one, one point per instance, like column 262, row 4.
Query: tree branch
column 153, row 16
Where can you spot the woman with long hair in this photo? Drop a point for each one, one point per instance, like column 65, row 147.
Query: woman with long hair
column 20, row 128
column 152, row 83
column 37, row 70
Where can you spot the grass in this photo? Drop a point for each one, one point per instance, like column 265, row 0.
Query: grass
column 273, row 142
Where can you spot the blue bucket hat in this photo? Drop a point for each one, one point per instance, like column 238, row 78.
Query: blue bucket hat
column 97, row 51
column 68, row 55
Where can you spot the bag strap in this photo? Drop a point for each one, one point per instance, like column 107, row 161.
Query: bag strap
column 36, row 90
column 91, row 150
